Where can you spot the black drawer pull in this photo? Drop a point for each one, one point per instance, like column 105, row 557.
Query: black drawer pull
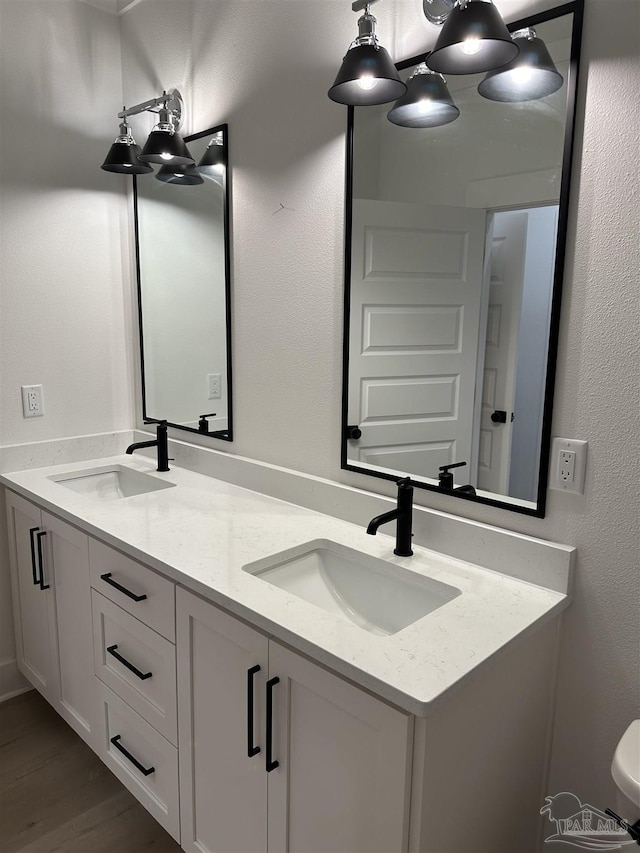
column 251, row 749
column 146, row 771
column 108, row 579
column 134, row 669
column 34, row 571
column 39, row 536
column 271, row 764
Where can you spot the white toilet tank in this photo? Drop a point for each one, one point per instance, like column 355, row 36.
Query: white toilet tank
column 625, row 770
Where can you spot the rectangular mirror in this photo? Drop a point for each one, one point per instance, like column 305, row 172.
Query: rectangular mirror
column 455, row 245
column 182, row 249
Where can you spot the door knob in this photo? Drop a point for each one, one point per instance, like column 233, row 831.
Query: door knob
column 499, row 417
column 354, row 432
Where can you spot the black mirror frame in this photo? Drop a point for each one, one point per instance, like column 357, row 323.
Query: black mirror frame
column 227, row 434
column 575, row 8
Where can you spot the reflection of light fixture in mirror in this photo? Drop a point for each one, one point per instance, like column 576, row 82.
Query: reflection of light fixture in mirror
column 123, row 156
column 164, row 144
column 214, row 160
column 367, row 75
column 530, row 76
column 427, row 102
column 474, row 39
column 185, row 176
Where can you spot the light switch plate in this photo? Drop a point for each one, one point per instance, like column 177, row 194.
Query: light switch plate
column 568, row 465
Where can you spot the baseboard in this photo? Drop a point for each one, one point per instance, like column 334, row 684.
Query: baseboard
column 12, row 682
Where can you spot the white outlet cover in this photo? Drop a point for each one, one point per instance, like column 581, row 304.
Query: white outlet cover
column 576, row 484
column 32, row 401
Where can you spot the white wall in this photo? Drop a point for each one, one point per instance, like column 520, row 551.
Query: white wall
column 62, row 295
column 265, row 68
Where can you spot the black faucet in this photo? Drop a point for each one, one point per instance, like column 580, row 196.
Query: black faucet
column 160, row 442
column 203, row 424
column 445, row 480
column 402, row 514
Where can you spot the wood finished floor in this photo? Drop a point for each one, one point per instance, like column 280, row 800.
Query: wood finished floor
column 56, row 796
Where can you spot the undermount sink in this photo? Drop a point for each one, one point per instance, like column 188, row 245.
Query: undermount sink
column 110, row 483
column 380, row 597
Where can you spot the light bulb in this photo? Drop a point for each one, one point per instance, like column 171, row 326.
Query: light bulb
column 166, row 156
column 367, row 82
column 522, row 75
column 470, row 46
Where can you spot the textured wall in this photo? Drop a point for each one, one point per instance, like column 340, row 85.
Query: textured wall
column 62, row 300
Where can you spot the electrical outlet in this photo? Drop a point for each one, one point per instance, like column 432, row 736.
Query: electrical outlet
column 32, row 401
column 213, row 386
column 568, row 465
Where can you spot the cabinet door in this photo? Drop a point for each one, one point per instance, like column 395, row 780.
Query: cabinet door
column 223, row 790
column 67, row 567
column 342, row 783
column 32, row 601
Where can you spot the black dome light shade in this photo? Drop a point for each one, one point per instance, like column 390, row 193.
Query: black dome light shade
column 531, row 75
column 474, row 39
column 427, row 102
column 164, row 145
column 367, row 75
column 124, row 155
column 214, row 159
column 184, row 176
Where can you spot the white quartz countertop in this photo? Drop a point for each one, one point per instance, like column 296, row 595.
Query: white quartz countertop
column 202, row 533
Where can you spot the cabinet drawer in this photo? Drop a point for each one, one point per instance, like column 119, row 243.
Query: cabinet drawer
column 142, row 759
column 136, row 663
column 138, row 590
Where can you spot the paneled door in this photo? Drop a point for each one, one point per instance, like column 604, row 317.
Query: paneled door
column 33, row 604
column 222, row 669
column 344, row 762
column 416, row 300
column 503, row 319
column 67, row 563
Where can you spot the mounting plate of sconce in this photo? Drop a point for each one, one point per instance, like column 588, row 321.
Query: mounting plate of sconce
column 437, row 11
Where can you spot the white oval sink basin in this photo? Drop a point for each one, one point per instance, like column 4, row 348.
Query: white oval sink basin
column 111, row 482
column 378, row 596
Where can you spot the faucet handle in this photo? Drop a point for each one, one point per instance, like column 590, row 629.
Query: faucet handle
column 445, row 477
column 404, row 483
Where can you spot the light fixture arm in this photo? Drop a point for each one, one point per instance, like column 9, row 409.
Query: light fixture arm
column 359, row 5
column 170, row 102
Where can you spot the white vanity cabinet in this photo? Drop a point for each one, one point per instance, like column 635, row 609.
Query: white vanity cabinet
column 277, row 753
column 52, row 611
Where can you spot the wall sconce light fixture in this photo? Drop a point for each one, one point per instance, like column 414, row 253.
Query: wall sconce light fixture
column 367, row 75
column 530, row 76
column 474, row 38
column 164, row 144
column 427, row 102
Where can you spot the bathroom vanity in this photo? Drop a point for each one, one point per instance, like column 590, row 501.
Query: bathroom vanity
column 167, row 618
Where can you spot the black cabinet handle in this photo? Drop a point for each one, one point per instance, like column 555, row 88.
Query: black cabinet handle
column 134, row 669
column 108, row 579
column 34, row 571
column 146, row 771
column 39, row 536
column 251, row 749
column 271, row 764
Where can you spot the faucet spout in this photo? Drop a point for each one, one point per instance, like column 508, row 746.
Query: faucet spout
column 375, row 523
